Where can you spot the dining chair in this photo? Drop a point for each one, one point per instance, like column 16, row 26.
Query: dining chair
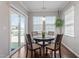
column 50, row 33
column 34, row 33
column 32, row 47
column 56, row 46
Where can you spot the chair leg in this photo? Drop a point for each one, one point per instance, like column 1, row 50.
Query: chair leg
column 40, row 51
column 34, row 53
column 31, row 54
column 46, row 50
column 60, row 52
column 55, row 54
column 27, row 52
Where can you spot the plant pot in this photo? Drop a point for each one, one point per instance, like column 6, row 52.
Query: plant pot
column 43, row 36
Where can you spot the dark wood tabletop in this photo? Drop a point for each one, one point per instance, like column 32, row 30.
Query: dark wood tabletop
column 47, row 38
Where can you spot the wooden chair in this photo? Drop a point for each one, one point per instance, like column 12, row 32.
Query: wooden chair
column 50, row 33
column 31, row 46
column 34, row 33
column 57, row 46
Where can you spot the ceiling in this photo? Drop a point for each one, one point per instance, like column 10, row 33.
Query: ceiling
column 37, row 6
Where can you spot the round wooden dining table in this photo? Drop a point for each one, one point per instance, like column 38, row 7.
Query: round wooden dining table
column 43, row 40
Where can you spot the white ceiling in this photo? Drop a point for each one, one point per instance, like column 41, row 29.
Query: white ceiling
column 36, row 6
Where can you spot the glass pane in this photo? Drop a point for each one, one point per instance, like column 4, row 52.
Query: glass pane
column 69, row 18
column 14, row 21
column 50, row 27
column 22, row 30
column 69, row 22
column 49, row 23
column 37, row 23
column 69, row 30
column 50, row 19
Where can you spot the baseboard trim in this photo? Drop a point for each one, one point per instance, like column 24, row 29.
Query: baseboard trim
column 71, row 50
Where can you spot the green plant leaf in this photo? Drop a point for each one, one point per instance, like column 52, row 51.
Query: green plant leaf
column 59, row 22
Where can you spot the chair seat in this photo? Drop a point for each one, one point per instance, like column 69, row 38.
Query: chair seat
column 52, row 46
column 35, row 46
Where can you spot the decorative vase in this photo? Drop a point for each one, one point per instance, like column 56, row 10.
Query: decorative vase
column 43, row 34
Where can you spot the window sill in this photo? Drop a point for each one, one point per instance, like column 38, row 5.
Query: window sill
column 69, row 35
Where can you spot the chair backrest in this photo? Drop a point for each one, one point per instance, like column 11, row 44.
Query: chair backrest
column 50, row 33
column 58, row 41
column 34, row 33
column 29, row 41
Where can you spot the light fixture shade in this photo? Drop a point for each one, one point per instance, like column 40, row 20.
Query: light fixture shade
column 43, row 18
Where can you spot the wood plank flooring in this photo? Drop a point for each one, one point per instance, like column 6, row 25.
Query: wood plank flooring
column 65, row 54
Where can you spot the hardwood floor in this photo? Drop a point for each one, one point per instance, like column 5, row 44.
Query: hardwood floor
column 65, row 54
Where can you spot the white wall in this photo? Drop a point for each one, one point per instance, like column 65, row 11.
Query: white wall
column 72, row 42
column 30, row 18
column 4, row 29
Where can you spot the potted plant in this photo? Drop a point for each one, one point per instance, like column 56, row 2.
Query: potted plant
column 59, row 24
column 43, row 34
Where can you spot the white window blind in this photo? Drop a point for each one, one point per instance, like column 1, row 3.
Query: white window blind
column 50, row 23
column 69, row 22
column 37, row 24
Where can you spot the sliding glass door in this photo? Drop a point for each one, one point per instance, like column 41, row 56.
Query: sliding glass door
column 22, row 30
column 14, row 23
column 17, row 29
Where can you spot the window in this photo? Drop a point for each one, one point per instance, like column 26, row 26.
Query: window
column 69, row 22
column 50, row 23
column 37, row 24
